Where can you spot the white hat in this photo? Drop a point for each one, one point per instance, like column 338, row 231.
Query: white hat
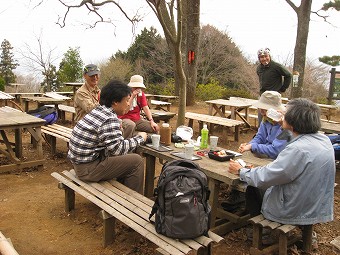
column 136, row 81
column 270, row 99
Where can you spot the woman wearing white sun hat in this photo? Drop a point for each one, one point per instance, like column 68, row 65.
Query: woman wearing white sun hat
column 132, row 121
column 265, row 143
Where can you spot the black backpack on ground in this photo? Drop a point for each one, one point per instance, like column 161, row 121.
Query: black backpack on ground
column 50, row 114
column 181, row 207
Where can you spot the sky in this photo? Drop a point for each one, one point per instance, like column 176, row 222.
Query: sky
column 252, row 24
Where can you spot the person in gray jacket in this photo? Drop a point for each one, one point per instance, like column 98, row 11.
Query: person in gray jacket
column 299, row 183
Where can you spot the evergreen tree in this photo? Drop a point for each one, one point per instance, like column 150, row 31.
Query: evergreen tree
column 7, row 62
column 50, row 82
column 70, row 68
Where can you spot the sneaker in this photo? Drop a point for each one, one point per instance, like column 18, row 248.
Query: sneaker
column 314, row 240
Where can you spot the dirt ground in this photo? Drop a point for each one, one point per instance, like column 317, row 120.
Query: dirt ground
column 32, row 214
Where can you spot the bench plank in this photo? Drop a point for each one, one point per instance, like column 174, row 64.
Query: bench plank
column 132, row 209
column 115, row 213
column 56, row 131
column 215, row 120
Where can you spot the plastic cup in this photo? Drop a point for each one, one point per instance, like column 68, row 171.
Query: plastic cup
column 188, row 151
column 274, row 115
column 155, row 140
column 213, row 142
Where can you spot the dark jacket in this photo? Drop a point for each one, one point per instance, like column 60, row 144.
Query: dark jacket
column 273, row 77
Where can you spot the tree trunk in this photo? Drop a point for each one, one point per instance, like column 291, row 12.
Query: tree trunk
column 303, row 15
column 192, row 46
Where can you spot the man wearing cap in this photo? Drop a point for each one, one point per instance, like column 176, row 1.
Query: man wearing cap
column 86, row 97
column 266, row 143
column 272, row 75
column 132, row 121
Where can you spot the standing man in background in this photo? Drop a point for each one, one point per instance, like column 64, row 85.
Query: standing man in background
column 272, row 75
column 87, row 96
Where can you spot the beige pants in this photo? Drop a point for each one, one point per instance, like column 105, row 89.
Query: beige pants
column 128, row 169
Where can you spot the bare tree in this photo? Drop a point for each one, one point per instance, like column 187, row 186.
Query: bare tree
column 39, row 61
column 303, row 13
column 303, row 16
column 170, row 15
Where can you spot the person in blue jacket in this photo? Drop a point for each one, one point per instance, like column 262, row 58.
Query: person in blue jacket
column 266, row 142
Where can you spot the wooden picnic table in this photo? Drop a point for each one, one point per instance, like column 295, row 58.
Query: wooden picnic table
column 217, row 173
column 41, row 101
column 56, row 95
column 10, row 119
column 74, row 85
column 218, row 106
column 5, row 97
column 330, row 127
column 165, row 98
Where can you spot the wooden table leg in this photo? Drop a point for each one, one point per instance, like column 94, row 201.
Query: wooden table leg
column 150, row 169
column 214, row 187
column 18, row 142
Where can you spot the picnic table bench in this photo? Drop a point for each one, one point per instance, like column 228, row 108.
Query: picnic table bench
column 54, row 131
column 161, row 105
column 286, row 236
column 233, row 125
column 131, row 208
column 62, row 109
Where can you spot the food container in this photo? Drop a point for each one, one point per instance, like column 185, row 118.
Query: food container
column 224, row 157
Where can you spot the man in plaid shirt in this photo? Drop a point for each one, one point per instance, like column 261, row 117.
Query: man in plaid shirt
column 97, row 148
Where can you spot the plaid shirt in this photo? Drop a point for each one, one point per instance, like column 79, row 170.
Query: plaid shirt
column 98, row 134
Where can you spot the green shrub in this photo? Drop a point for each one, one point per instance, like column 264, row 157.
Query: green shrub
column 169, row 88
column 212, row 90
column 228, row 92
column 159, row 89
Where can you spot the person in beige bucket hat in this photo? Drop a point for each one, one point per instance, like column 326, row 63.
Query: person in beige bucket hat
column 132, row 121
column 265, row 142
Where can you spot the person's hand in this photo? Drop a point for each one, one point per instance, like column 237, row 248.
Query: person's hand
column 154, row 126
column 234, row 167
column 143, row 134
column 244, row 147
column 135, row 92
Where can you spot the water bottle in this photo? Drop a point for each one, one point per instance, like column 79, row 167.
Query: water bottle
column 204, row 137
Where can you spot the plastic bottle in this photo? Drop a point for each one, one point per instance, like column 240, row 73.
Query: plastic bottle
column 165, row 132
column 204, row 137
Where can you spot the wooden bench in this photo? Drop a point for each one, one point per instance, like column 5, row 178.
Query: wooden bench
column 62, row 109
column 286, row 236
column 159, row 105
column 233, row 125
column 131, row 208
column 54, row 131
